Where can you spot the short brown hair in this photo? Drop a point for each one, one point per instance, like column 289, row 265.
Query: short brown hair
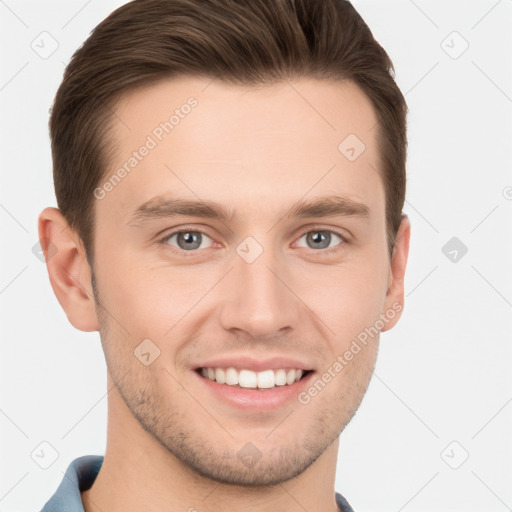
column 246, row 42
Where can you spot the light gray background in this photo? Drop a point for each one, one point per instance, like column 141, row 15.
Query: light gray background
column 443, row 373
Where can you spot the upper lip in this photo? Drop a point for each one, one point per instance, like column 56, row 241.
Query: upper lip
column 255, row 364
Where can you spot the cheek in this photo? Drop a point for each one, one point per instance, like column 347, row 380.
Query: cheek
column 154, row 300
column 351, row 297
column 142, row 300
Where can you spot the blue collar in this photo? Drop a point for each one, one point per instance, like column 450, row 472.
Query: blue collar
column 79, row 476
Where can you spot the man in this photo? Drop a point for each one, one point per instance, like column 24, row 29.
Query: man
column 230, row 179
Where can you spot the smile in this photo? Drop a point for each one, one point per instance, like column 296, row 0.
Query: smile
column 245, row 378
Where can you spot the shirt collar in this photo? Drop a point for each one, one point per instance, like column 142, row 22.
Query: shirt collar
column 79, row 476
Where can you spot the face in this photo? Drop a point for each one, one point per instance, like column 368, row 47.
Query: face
column 282, row 265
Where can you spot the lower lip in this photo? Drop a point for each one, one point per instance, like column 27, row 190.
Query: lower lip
column 255, row 398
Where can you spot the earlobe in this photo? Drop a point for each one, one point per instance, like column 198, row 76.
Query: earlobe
column 395, row 294
column 68, row 269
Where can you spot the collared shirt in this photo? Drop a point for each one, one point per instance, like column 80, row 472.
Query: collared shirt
column 80, row 476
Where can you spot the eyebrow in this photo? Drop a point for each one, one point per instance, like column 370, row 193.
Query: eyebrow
column 165, row 207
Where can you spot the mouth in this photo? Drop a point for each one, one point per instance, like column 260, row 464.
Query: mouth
column 252, row 380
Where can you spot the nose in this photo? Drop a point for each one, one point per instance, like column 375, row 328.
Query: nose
column 258, row 297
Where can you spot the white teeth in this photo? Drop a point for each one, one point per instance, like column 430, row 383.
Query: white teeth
column 231, row 377
column 249, row 379
column 280, row 378
column 266, row 379
column 220, row 375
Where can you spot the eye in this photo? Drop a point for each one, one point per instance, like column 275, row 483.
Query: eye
column 322, row 238
column 190, row 241
column 187, row 240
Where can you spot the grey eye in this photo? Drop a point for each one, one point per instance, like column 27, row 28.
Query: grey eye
column 188, row 240
column 320, row 239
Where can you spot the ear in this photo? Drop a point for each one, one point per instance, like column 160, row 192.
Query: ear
column 395, row 294
column 68, row 269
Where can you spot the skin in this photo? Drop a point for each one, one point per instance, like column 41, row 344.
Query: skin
column 259, row 150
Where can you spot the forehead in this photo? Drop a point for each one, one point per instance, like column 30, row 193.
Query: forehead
column 203, row 138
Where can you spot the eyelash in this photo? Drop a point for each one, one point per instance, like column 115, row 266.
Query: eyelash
column 193, row 253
